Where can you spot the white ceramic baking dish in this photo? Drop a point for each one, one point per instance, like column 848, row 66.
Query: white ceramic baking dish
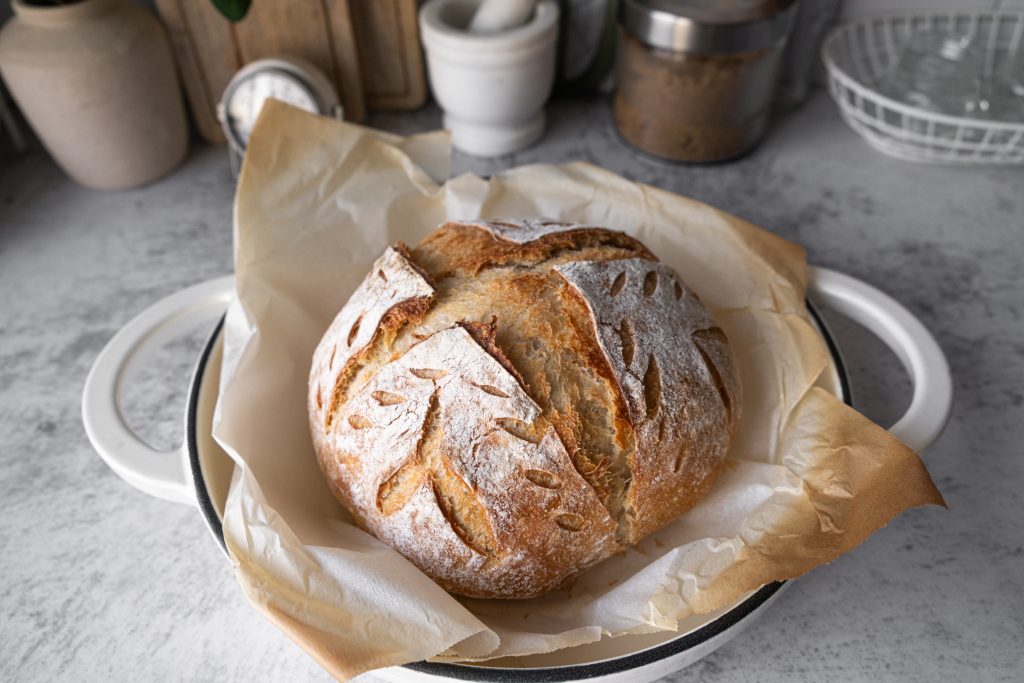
column 199, row 472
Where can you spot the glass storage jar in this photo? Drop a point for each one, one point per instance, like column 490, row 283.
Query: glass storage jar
column 695, row 79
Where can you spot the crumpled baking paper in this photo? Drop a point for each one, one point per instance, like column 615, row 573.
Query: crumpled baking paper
column 807, row 479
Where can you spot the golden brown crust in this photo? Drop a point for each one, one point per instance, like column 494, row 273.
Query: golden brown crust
column 503, row 427
column 458, row 248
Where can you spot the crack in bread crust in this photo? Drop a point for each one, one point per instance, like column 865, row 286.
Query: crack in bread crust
column 610, row 473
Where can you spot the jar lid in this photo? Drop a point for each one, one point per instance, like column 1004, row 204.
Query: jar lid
column 708, row 26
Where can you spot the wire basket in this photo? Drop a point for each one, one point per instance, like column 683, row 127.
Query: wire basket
column 860, row 53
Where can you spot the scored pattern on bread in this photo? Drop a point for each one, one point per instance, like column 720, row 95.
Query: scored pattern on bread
column 651, row 329
column 631, row 309
column 393, row 281
column 513, row 401
column 452, row 471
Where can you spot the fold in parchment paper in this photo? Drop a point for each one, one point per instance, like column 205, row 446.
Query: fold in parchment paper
column 807, row 479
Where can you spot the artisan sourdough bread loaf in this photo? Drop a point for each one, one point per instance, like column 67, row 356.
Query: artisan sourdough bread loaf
column 513, row 401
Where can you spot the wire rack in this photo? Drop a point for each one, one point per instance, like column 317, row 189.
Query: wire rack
column 859, row 54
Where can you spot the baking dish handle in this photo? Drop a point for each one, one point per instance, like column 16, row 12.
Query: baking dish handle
column 920, row 354
column 161, row 474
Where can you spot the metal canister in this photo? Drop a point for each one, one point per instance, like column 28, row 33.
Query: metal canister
column 696, row 78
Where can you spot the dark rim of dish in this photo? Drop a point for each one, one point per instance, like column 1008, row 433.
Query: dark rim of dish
column 466, row 672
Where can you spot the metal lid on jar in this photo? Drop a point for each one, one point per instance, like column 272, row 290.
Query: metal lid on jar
column 708, row 26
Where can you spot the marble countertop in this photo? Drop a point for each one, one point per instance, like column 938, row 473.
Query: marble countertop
column 101, row 582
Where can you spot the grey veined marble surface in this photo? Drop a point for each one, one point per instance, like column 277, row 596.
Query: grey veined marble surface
column 100, row 582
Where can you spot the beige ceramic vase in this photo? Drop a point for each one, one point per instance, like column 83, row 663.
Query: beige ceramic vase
column 96, row 81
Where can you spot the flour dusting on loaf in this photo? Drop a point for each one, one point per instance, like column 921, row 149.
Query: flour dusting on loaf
column 513, row 401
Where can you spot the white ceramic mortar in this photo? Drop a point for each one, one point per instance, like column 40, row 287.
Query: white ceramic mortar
column 491, row 86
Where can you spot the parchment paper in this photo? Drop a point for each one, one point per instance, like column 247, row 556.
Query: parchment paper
column 807, row 479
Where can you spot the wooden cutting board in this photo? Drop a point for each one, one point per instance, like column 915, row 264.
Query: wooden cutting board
column 390, row 57
column 369, row 49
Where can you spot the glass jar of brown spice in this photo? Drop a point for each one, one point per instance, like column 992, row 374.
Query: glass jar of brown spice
column 695, row 79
